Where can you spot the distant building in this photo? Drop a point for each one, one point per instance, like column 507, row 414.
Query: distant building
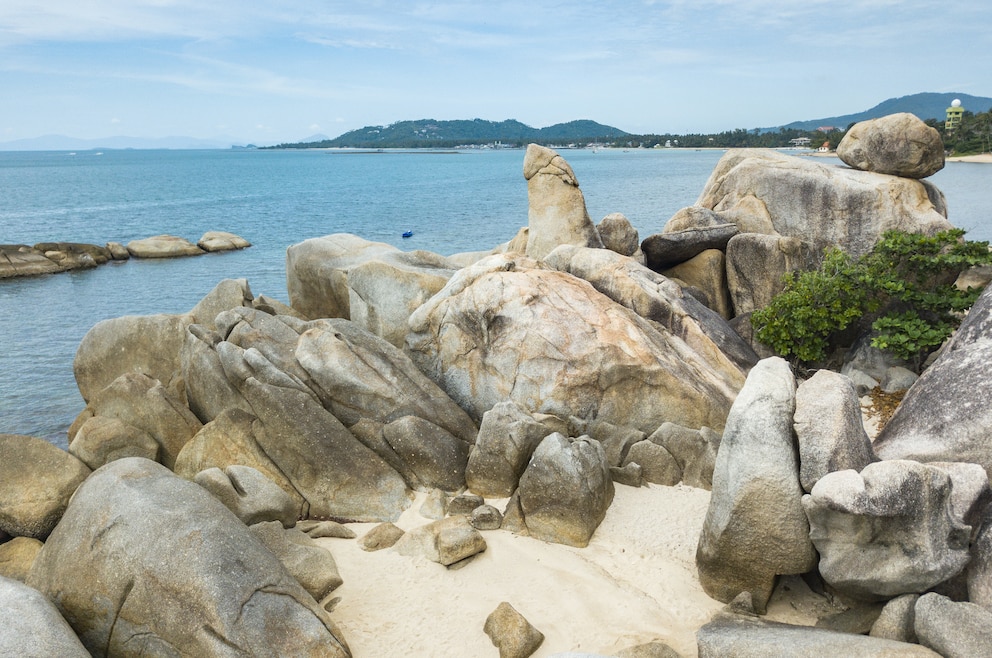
column 824, row 147
column 826, row 129
column 954, row 114
column 800, row 142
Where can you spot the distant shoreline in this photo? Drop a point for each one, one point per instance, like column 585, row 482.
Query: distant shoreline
column 985, row 158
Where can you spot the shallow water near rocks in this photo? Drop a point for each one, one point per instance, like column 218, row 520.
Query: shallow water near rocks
column 451, row 202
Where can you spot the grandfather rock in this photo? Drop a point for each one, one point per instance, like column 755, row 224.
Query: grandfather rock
column 823, row 205
column 145, row 562
column 898, row 144
column 829, row 428
column 557, row 210
column 32, row 626
column 507, row 329
column 221, row 241
column 36, row 481
column 566, row 490
column 163, row 246
column 250, row 495
column 755, row 528
column 886, row 531
column 947, row 414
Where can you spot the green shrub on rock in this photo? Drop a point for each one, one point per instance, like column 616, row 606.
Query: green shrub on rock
column 904, row 287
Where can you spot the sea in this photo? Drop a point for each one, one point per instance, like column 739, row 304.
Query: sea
column 452, row 201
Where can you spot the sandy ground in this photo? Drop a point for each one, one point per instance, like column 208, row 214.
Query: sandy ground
column 636, row 582
column 982, row 157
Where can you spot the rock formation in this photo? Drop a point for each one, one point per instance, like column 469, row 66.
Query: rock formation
column 897, row 144
column 557, row 210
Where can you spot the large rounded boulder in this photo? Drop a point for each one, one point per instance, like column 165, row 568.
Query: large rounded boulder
column 146, row 563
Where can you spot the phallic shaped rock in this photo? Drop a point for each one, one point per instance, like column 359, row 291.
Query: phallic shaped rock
column 144, row 562
column 952, row 629
column 221, row 241
column 947, row 414
column 163, row 246
column 36, row 481
column 311, row 565
column 507, row 438
column 886, row 531
column 32, row 626
column 507, row 329
column 829, row 428
column 755, row 528
column 102, row 439
column 749, row 637
column 566, row 490
column 897, row 144
column 670, row 248
column 250, row 495
column 446, row 541
column 823, row 205
column 557, row 210
column 511, row 633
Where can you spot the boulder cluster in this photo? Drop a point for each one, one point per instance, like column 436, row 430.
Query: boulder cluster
column 216, row 445
column 52, row 257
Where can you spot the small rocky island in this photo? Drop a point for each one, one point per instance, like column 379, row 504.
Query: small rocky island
column 567, row 443
column 52, row 257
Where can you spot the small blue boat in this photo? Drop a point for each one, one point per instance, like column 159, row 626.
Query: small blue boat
column 407, row 234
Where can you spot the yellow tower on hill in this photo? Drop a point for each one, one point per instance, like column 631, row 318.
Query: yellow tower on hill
column 954, row 114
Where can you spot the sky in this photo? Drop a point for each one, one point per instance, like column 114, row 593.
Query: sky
column 282, row 70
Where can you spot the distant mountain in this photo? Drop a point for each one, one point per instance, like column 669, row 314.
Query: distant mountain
column 63, row 143
column 927, row 105
column 444, row 134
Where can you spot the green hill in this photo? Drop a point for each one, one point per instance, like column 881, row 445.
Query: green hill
column 927, row 105
column 425, row 133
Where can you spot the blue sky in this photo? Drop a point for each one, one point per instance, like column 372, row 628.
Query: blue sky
column 283, row 70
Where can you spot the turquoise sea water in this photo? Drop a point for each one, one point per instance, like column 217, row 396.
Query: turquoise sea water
column 452, row 201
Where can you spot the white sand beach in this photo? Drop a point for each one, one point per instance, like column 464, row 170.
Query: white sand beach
column 636, row 582
column 985, row 158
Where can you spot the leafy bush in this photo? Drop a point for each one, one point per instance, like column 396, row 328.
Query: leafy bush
column 905, row 285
